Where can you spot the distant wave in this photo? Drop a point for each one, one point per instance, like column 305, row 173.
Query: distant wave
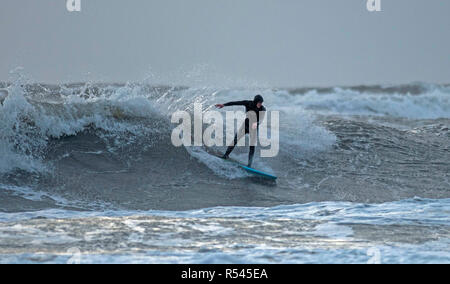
column 412, row 102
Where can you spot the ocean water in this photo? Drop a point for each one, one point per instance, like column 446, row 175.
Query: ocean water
column 88, row 173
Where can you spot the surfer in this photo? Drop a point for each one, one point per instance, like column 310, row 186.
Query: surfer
column 255, row 106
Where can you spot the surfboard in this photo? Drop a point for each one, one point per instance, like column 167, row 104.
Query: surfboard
column 257, row 172
column 239, row 164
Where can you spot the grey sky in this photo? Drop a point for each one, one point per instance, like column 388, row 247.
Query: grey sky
column 277, row 43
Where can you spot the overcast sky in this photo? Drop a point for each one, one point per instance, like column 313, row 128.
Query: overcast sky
column 275, row 42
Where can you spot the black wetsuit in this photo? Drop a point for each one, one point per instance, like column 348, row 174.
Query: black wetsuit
column 249, row 106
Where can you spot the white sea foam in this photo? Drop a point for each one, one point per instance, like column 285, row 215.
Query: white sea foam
column 321, row 232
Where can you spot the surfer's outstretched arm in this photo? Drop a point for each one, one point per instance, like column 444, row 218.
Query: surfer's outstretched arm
column 237, row 103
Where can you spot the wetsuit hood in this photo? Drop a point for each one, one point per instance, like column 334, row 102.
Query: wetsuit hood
column 258, row 99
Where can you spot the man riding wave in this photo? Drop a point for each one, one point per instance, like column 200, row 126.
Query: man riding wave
column 251, row 107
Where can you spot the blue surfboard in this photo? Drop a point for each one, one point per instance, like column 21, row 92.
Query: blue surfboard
column 256, row 172
column 248, row 169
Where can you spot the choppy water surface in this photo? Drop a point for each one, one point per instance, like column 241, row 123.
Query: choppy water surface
column 89, row 171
